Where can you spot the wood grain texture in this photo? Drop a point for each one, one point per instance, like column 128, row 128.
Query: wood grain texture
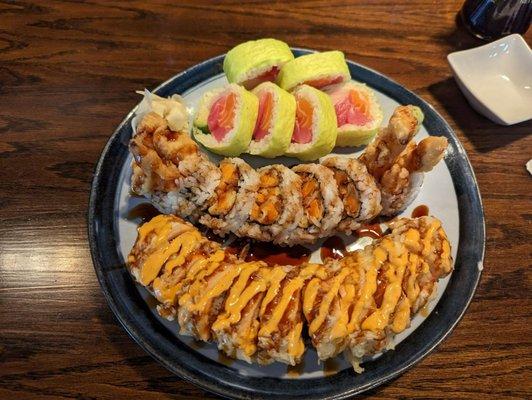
column 68, row 72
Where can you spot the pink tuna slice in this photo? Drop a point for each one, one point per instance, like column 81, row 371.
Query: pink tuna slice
column 352, row 109
column 269, row 75
column 322, row 82
column 221, row 116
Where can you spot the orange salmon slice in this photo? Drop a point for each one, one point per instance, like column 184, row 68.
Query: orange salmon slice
column 303, row 126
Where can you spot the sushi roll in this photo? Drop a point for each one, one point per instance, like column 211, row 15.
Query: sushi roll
column 205, row 298
column 277, row 209
column 321, row 203
column 315, row 130
column 327, row 299
column 280, row 316
column 236, row 327
column 234, row 197
column 256, row 61
column 357, row 189
column 256, row 312
column 225, row 120
column 317, row 69
column 276, row 117
column 358, row 113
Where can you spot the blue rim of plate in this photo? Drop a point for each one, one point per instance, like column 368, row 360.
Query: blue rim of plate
column 134, row 315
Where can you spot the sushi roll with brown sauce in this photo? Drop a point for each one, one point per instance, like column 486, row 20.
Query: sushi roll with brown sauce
column 233, row 198
column 277, row 207
column 327, row 299
column 255, row 312
column 281, row 321
column 322, row 206
column 236, row 326
column 357, row 189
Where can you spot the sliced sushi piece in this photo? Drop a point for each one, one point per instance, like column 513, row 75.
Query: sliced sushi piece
column 358, row 113
column 280, row 316
column 233, row 198
column 256, row 61
column 315, row 130
column 357, row 189
column 277, row 209
column 276, row 117
column 317, row 69
column 236, row 328
column 225, row 120
column 327, row 299
column 204, row 300
column 321, row 203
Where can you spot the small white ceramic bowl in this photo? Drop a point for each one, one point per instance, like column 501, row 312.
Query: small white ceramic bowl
column 497, row 79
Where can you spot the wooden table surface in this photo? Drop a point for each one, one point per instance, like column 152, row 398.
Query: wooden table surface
column 68, row 73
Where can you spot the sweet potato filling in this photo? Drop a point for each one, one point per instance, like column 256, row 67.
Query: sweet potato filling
column 226, row 190
column 267, row 207
column 312, row 202
column 348, row 193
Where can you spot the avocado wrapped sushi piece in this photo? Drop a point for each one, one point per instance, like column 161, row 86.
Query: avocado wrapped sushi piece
column 315, row 132
column 358, row 113
column 317, row 69
column 275, row 121
column 251, row 63
column 225, row 120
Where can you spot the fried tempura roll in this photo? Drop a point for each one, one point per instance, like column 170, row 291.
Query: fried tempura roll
column 321, row 204
column 281, row 322
column 170, row 162
column 382, row 152
column 357, row 189
column 233, row 198
column 327, row 300
column 400, row 274
column 204, row 300
column 401, row 183
column 236, row 328
column 277, row 207
column 253, row 311
column 167, row 256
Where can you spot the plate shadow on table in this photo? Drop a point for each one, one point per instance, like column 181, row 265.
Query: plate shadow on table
column 483, row 134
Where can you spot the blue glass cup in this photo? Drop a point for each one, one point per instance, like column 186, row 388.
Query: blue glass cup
column 492, row 19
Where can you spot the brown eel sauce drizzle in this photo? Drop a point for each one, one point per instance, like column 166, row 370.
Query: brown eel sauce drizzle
column 420, row 211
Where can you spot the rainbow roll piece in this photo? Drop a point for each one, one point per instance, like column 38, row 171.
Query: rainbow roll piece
column 256, row 61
